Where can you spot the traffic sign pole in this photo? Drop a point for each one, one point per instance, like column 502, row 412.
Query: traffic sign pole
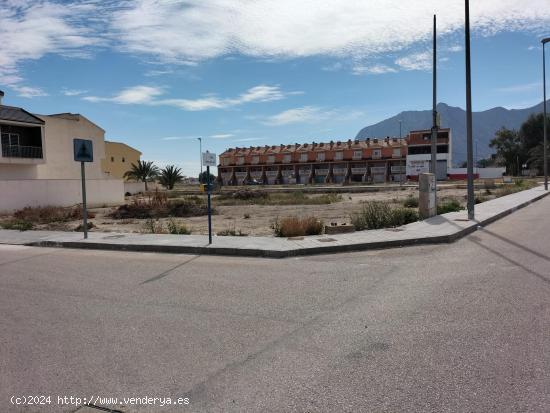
column 209, row 205
column 84, row 209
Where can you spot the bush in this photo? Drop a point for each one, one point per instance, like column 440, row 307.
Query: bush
column 451, row 205
column 377, row 215
column 246, row 216
column 295, row 227
column 17, row 224
column 410, row 202
column 49, row 214
column 177, row 228
column 403, row 216
column 80, row 227
column 158, row 206
column 152, row 226
column 231, row 232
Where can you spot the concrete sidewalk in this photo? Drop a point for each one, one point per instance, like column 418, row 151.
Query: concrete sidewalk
column 440, row 229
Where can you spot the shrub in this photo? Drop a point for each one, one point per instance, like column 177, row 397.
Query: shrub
column 451, row 205
column 373, row 215
column 177, row 228
column 294, row 227
column 80, row 227
column 377, row 215
column 246, row 216
column 157, row 206
column 152, row 226
column 410, row 202
column 403, row 216
column 17, row 224
column 49, row 214
column 231, row 232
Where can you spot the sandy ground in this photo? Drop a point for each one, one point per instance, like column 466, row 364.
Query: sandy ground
column 259, row 217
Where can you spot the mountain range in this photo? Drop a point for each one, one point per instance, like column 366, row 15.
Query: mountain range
column 485, row 124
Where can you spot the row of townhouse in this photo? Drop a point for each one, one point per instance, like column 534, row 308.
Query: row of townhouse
column 371, row 160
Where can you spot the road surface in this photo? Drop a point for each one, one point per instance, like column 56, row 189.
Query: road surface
column 449, row 328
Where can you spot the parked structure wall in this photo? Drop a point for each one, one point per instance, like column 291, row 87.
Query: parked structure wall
column 119, row 158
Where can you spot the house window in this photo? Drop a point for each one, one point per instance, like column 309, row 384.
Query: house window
column 271, row 159
column 287, row 158
column 320, row 156
column 303, row 157
column 112, row 158
column 376, row 154
column 339, row 155
column 397, row 152
column 357, row 154
column 240, row 160
column 123, row 160
column 255, row 159
column 10, row 139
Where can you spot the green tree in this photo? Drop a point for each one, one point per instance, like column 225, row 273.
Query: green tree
column 203, row 178
column 142, row 171
column 509, row 150
column 170, row 176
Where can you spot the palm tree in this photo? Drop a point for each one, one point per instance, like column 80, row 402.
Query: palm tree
column 170, row 176
column 142, row 171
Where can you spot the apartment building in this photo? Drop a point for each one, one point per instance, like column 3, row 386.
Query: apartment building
column 119, row 158
column 371, row 160
column 419, row 150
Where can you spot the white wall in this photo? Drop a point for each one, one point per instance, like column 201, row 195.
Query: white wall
column 484, row 173
column 17, row 194
column 59, row 132
column 12, row 171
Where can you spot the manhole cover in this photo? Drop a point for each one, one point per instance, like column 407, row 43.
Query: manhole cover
column 326, row 240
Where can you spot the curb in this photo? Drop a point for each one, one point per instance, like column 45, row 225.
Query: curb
column 261, row 253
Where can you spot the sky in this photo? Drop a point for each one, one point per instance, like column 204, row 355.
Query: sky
column 158, row 74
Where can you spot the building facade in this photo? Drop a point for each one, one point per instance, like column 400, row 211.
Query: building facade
column 119, row 158
column 37, row 166
column 371, row 160
column 419, row 153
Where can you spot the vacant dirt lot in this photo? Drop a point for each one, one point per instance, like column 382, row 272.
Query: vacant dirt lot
column 249, row 218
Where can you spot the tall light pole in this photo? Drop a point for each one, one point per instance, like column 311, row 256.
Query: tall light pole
column 200, row 154
column 402, row 173
column 469, row 127
column 434, row 110
column 545, row 142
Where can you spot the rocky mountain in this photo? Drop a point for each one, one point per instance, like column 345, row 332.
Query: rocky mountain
column 485, row 125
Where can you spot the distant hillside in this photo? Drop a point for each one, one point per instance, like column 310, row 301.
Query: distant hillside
column 485, row 124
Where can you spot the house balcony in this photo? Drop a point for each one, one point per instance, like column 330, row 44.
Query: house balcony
column 271, row 174
column 19, row 154
column 241, row 175
column 256, row 174
column 287, row 172
column 323, row 171
column 339, row 171
column 358, row 171
column 378, row 170
column 398, row 169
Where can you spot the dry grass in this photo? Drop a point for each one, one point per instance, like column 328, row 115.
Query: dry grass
column 49, row 214
column 295, row 227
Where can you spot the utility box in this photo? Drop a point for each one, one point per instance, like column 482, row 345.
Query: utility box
column 427, row 201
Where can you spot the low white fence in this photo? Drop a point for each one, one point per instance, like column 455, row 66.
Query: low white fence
column 17, row 194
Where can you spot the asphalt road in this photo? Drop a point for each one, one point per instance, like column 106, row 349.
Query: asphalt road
column 449, row 328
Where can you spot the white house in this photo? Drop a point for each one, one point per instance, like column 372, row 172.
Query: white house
column 36, row 161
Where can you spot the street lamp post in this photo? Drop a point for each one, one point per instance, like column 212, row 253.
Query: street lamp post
column 469, row 128
column 545, row 122
column 200, row 154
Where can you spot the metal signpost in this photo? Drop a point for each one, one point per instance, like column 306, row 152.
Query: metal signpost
column 83, row 152
column 209, row 159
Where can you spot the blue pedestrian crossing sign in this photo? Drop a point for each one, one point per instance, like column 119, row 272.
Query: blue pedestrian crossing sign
column 83, row 150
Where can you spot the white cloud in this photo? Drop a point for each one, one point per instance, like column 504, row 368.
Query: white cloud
column 28, row 92
column 416, row 61
column 31, row 29
column 149, row 95
column 376, row 69
column 73, row 92
column 194, row 30
column 297, row 115
column 222, row 136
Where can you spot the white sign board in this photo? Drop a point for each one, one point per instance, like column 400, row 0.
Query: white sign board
column 209, row 159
